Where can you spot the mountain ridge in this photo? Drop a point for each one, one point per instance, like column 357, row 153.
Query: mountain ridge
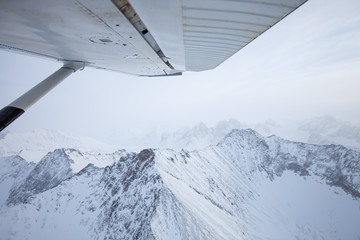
column 225, row 191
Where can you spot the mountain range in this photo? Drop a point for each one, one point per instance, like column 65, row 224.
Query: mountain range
column 319, row 130
column 244, row 187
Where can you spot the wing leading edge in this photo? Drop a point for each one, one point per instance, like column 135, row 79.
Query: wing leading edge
column 150, row 38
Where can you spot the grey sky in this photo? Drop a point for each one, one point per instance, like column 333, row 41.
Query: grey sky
column 307, row 65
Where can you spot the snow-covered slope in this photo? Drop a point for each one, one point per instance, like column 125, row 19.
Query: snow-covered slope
column 245, row 187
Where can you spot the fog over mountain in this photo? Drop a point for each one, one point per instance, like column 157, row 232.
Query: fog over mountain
column 328, row 130
column 246, row 186
column 320, row 130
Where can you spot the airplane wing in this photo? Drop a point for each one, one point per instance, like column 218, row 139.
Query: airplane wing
column 141, row 37
column 158, row 37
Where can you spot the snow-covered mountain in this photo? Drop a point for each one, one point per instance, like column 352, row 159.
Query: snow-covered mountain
column 328, row 130
column 199, row 136
column 33, row 145
column 245, row 187
column 321, row 130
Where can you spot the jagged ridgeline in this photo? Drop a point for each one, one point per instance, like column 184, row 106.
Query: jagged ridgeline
column 245, row 187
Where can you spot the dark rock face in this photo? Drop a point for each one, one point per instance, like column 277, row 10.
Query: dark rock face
column 131, row 189
column 48, row 173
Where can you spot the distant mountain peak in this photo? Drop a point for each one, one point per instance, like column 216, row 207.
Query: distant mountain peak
column 244, row 132
column 240, row 138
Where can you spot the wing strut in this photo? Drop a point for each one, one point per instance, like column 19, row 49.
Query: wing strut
column 11, row 112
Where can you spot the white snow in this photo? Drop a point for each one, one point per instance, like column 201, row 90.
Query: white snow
column 306, row 208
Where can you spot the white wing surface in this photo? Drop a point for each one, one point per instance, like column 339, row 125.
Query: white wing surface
column 157, row 37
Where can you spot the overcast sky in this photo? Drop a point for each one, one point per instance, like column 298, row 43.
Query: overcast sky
column 307, row 65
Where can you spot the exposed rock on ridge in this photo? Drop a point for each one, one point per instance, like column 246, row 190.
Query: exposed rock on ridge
column 216, row 193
